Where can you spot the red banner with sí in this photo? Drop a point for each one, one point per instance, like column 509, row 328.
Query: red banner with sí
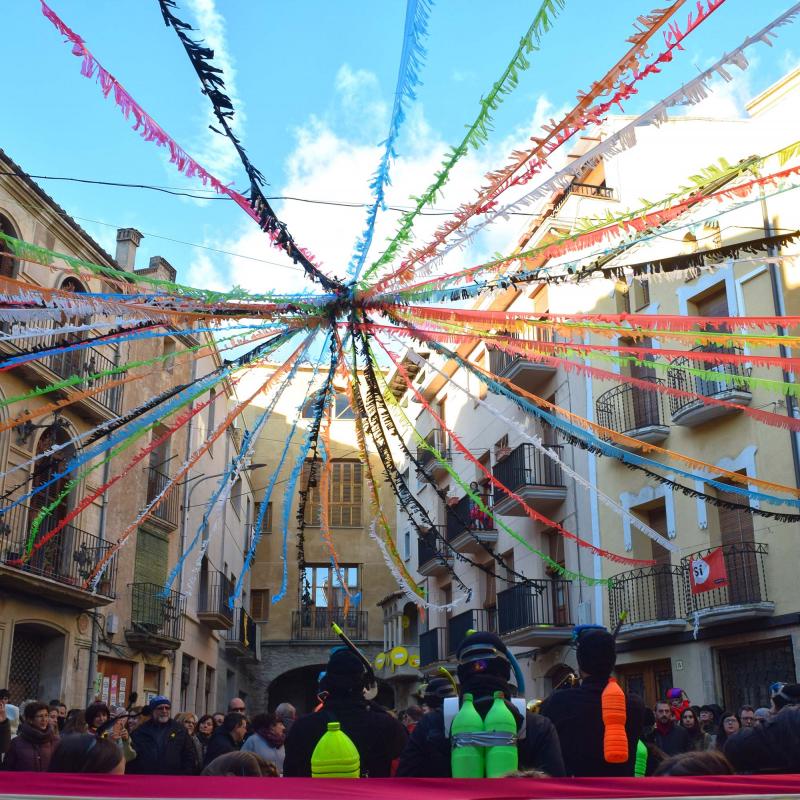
column 708, row 572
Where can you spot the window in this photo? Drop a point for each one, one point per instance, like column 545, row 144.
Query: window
column 259, row 604
column 341, row 407
column 266, row 520
column 236, row 497
column 8, row 264
column 407, row 546
column 640, row 293
column 325, row 585
column 169, row 352
column 345, row 493
column 211, row 410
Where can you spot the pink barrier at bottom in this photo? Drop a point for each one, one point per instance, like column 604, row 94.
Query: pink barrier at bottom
column 44, row 785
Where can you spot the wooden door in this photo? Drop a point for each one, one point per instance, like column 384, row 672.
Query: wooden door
column 664, row 586
column 648, row 679
column 738, row 539
column 116, row 680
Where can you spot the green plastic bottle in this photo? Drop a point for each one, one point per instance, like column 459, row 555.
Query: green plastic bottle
column 501, row 758
column 467, row 761
column 640, row 768
column 335, row 755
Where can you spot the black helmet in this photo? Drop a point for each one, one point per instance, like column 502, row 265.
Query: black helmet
column 434, row 693
column 483, row 653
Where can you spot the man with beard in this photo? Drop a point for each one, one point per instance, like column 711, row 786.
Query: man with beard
column 484, row 667
column 162, row 745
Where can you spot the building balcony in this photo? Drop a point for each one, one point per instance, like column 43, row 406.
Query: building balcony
column 212, row 602
column 433, row 556
column 526, row 374
column 166, row 513
column 57, row 571
column 653, row 600
column 105, row 404
column 466, row 533
column 313, row 624
column 584, row 190
column 157, row 620
column 433, row 647
column 243, row 639
column 535, row 613
column 476, row 619
column 745, row 597
column 532, row 476
column 634, row 412
column 689, row 412
column 437, row 439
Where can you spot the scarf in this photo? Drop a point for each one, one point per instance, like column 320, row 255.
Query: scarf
column 273, row 739
column 663, row 728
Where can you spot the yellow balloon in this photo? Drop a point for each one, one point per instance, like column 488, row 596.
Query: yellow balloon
column 406, row 623
column 380, row 660
column 414, row 661
column 399, row 656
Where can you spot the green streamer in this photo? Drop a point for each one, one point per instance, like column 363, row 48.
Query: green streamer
column 477, row 133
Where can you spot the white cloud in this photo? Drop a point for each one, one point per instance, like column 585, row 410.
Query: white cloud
column 332, row 162
column 210, row 149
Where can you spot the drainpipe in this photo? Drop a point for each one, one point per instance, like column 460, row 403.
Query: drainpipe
column 93, row 647
column 594, row 502
column 780, row 310
column 175, row 687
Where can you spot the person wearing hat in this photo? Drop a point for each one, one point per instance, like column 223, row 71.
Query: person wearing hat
column 378, row 737
column 162, row 745
column 484, row 667
column 434, row 693
column 783, row 695
column 679, row 702
column 577, row 713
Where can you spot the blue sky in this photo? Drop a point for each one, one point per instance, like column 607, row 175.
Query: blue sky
column 313, row 82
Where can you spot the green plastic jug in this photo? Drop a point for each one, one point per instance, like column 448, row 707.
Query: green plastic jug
column 335, row 755
column 501, row 758
column 466, row 761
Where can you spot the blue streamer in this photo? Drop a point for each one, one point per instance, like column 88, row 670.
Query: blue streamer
column 195, row 389
column 262, row 509
column 607, row 448
column 411, row 60
column 147, row 334
column 322, row 399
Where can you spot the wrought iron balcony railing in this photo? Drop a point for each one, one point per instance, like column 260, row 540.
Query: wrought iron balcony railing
column 628, row 409
column 534, row 603
column 649, row 594
column 433, row 646
column 157, row 615
column 167, row 510
column 437, row 439
column 476, row 619
column 314, row 623
column 524, row 466
column 68, row 557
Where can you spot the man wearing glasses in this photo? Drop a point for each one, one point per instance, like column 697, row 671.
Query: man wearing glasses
column 237, row 705
column 162, row 745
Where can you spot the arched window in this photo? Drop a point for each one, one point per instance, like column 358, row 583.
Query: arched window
column 8, row 264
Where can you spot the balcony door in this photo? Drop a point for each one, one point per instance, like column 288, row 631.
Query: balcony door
column 649, row 679
column 737, row 537
column 560, row 593
column 644, row 404
column 54, row 557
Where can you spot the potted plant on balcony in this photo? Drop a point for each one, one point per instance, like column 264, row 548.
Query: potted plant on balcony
column 502, row 452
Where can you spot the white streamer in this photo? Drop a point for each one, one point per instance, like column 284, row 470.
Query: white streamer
column 551, row 454
column 691, row 93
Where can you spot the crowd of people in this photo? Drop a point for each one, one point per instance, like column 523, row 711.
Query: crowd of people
column 562, row 736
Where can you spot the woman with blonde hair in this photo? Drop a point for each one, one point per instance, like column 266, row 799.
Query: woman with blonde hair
column 189, row 721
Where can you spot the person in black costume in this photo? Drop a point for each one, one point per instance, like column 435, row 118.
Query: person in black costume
column 378, row 736
column 577, row 712
column 483, row 669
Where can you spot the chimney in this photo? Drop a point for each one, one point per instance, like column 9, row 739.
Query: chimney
column 161, row 268
column 127, row 243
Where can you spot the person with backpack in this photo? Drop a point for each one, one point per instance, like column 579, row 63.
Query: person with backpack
column 484, row 671
column 377, row 736
column 578, row 714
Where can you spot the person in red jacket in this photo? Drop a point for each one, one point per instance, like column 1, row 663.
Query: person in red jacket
column 678, row 702
column 33, row 746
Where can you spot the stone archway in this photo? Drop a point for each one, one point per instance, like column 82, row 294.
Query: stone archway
column 298, row 686
column 38, row 655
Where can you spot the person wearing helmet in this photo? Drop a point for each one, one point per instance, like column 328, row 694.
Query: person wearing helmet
column 435, row 692
column 578, row 713
column 377, row 735
column 484, row 667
